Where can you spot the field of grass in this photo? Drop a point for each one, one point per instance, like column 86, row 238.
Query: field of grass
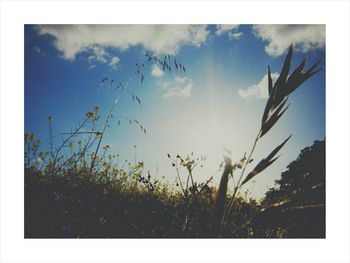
column 123, row 203
column 76, row 189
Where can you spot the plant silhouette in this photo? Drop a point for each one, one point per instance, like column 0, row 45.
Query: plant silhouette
column 274, row 109
column 78, row 189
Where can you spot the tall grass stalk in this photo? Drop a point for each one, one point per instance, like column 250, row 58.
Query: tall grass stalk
column 103, row 131
column 166, row 66
column 274, row 109
column 231, row 201
column 220, row 201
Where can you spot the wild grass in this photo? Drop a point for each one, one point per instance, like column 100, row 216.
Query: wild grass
column 81, row 190
column 274, row 109
column 121, row 201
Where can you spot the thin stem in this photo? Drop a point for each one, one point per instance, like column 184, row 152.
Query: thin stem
column 28, row 153
column 124, row 88
column 103, row 131
column 179, row 178
column 228, row 212
column 221, row 200
column 51, row 139
column 56, row 157
column 190, row 173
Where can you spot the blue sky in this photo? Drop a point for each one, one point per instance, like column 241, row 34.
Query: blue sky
column 217, row 103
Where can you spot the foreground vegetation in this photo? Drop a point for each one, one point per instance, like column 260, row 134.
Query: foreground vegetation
column 78, row 190
column 126, row 204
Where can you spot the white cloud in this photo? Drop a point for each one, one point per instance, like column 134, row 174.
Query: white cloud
column 39, row 51
column 180, row 87
column 235, row 35
column 99, row 54
column 279, row 37
column 114, row 61
column 230, row 30
column 156, row 71
column 258, row 91
column 91, row 67
column 73, row 39
column 221, row 29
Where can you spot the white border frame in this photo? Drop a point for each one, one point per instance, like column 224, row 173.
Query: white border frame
column 13, row 246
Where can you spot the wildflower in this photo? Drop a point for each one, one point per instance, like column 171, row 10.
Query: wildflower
column 103, row 220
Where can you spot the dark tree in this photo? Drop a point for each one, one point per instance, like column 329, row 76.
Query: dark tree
column 295, row 207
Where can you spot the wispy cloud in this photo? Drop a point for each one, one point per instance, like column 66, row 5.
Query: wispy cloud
column 99, row 54
column 235, row 35
column 156, row 71
column 92, row 66
column 279, row 37
column 114, row 61
column 179, row 87
column 39, row 51
column 221, row 29
column 259, row 90
column 73, row 39
column 230, row 30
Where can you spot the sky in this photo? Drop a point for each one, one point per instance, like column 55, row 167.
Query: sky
column 216, row 104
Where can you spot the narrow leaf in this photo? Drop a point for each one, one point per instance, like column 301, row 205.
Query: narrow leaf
column 220, row 199
column 270, row 79
column 312, row 68
column 272, row 120
column 298, row 69
column 295, row 80
column 285, row 69
column 273, row 160
column 249, row 176
column 278, row 148
column 138, row 100
column 268, row 109
column 278, row 89
column 266, row 162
